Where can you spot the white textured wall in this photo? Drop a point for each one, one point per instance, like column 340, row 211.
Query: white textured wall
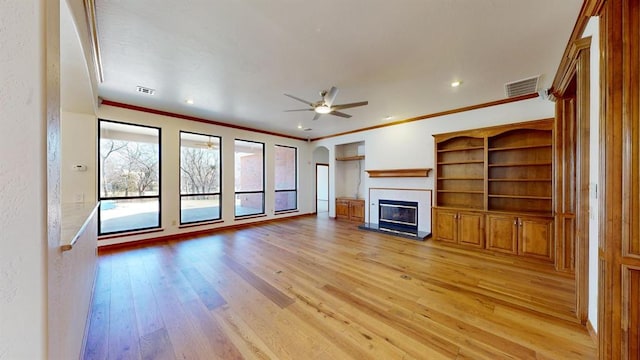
column 592, row 30
column 410, row 145
column 170, row 216
column 23, row 166
column 79, row 147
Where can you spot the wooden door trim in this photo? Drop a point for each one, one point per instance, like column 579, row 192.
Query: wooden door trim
column 579, row 70
column 582, row 182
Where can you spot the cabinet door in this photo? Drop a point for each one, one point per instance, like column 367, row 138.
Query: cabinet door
column 342, row 209
column 502, row 233
column 446, row 227
column 535, row 237
column 356, row 210
column 471, row 229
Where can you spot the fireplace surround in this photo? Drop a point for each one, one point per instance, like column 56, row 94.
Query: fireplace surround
column 406, row 223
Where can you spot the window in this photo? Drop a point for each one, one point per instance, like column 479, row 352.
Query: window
column 199, row 178
column 249, row 178
column 286, row 159
column 129, row 177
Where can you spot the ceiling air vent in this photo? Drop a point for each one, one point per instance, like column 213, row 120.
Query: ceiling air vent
column 522, row 87
column 145, row 90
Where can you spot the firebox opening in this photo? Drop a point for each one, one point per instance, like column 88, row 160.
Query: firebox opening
column 398, row 216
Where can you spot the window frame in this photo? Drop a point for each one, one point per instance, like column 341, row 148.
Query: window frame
column 99, row 182
column 263, row 192
column 219, row 193
column 295, row 189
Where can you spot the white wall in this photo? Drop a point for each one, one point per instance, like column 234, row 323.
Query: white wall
column 170, row 128
column 23, row 169
column 410, row 145
column 592, row 30
column 79, row 147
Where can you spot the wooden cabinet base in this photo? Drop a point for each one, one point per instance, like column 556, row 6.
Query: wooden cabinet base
column 350, row 209
column 525, row 236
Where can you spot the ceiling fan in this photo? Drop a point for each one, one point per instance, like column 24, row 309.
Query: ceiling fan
column 208, row 145
column 325, row 106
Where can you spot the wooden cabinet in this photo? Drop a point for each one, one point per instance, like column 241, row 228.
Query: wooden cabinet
column 500, row 175
column 350, row 209
column 526, row 236
column 459, row 227
column 502, row 233
column 342, row 209
column 535, row 237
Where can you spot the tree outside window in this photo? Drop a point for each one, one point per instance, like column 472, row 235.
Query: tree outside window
column 129, row 177
column 199, row 178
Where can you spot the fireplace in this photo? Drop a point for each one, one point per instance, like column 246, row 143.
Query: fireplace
column 398, row 216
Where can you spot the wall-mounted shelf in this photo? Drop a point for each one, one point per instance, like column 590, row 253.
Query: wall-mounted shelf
column 349, row 158
column 423, row 172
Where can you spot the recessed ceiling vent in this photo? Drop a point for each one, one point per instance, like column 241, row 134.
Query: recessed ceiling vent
column 522, row 87
column 145, row 90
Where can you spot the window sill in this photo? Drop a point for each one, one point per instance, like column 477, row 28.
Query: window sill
column 212, row 222
column 286, row 212
column 129, row 233
column 250, row 216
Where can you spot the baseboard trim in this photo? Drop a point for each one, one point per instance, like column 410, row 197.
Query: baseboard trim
column 592, row 332
column 103, row 249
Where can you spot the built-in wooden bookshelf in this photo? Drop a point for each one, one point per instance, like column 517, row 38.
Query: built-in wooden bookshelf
column 494, row 188
column 460, row 172
column 520, row 171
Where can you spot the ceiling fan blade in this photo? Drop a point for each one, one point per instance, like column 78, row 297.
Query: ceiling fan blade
column 301, row 100
column 350, row 105
column 330, row 96
column 298, row 110
column 341, row 114
column 316, row 116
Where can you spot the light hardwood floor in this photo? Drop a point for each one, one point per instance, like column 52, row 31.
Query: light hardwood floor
column 312, row 288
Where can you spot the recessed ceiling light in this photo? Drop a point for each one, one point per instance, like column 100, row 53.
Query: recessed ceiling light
column 456, row 83
column 388, row 117
column 299, row 126
column 189, row 101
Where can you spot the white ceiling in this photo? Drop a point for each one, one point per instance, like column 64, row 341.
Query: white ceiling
column 235, row 59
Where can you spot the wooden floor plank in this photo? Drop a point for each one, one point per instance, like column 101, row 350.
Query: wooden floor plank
column 156, row 346
column 314, row 288
column 97, row 342
column 264, row 287
column 207, row 293
column 123, row 328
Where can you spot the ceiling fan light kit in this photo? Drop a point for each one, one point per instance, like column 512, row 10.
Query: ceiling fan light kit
column 322, row 109
column 325, row 106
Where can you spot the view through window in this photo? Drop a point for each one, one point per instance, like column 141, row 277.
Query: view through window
column 249, row 178
column 286, row 178
column 129, row 177
column 199, row 178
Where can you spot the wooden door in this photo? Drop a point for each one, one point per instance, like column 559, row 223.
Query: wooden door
column 356, row 210
column 342, row 209
column 471, row 229
column 535, row 237
column 502, row 233
column 446, row 227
